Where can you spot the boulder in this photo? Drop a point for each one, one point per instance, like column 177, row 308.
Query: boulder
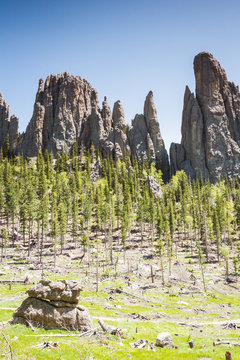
column 164, row 340
column 54, row 305
column 41, row 313
column 63, row 290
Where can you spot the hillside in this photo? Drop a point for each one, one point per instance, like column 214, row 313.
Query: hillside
column 151, row 257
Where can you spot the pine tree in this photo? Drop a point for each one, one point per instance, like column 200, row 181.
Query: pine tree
column 43, row 205
column 160, row 253
column 216, row 229
column 171, row 223
column 200, row 258
column 62, row 220
column 4, row 242
column 6, row 147
column 54, row 224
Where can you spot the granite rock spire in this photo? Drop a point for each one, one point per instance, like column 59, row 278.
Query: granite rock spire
column 210, row 124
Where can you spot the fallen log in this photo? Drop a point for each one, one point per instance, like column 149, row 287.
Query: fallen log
column 12, row 282
column 225, row 342
column 120, row 291
column 86, row 333
column 110, row 329
column 47, row 344
column 105, row 327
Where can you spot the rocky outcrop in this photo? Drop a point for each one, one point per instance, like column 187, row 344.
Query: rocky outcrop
column 54, row 305
column 61, row 112
column 145, row 137
column 152, row 123
column 66, row 111
column 210, row 124
column 8, row 125
column 120, row 140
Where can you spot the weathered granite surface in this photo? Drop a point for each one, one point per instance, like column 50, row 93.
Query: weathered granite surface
column 66, row 111
column 210, row 124
column 8, row 125
column 53, row 305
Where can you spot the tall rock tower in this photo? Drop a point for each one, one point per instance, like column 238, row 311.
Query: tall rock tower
column 210, row 124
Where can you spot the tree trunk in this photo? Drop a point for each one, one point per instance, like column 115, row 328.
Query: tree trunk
column 29, row 237
column 205, row 235
column 62, row 242
column 54, row 250
column 162, row 270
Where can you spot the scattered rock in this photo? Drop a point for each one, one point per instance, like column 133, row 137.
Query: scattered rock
column 143, row 344
column 164, row 340
column 138, row 316
column 47, row 344
column 229, row 325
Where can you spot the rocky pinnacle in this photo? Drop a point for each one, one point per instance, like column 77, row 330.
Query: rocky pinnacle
column 66, row 110
column 210, row 124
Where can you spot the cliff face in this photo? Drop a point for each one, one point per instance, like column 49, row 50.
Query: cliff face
column 66, row 110
column 8, row 125
column 210, row 124
column 62, row 106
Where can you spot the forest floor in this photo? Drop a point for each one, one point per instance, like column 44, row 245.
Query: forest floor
column 143, row 307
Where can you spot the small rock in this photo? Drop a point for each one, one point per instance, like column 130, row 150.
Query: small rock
column 164, row 340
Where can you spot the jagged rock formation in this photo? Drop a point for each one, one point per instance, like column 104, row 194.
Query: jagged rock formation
column 145, row 137
column 210, row 124
column 54, row 305
column 62, row 109
column 8, row 125
column 66, row 110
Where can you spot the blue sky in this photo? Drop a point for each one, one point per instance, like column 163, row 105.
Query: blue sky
column 123, row 48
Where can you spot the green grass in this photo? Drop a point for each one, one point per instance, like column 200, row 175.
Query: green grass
column 112, row 348
column 174, row 308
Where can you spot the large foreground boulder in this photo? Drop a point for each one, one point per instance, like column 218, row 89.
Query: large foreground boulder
column 54, row 305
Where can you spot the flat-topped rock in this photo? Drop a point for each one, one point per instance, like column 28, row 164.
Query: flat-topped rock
column 62, row 290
